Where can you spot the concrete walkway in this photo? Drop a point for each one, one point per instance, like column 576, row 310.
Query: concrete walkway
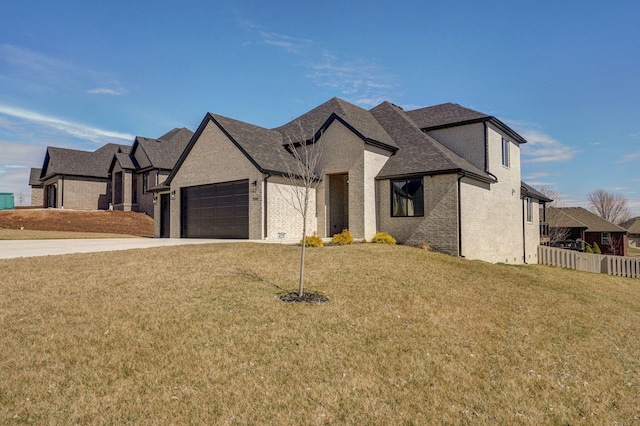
column 10, row 249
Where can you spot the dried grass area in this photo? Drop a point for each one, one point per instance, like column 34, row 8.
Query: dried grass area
column 74, row 221
column 198, row 335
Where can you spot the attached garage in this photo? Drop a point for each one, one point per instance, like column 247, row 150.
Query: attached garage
column 219, row 210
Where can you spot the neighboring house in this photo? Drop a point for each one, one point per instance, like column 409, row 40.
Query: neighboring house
column 446, row 175
column 78, row 179
column 37, row 192
column 582, row 224
column 147, row 164
column 530, row 196
column 633, row 227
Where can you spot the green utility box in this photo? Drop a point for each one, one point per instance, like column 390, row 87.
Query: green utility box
column 6, row 201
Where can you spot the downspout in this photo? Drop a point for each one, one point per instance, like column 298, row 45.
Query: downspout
column 524, row 232
column 62, row 194
column 460, row 176
column 264, row 201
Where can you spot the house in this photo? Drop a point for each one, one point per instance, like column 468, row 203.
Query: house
column 446, row 175
column 581, row 224
column 77, row 179
column 112, row 177
column 37, row 191
column 145, row 165
column 633, row 227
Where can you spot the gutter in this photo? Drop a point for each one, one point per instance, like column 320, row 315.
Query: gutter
column 460, row 176
column 264, row 207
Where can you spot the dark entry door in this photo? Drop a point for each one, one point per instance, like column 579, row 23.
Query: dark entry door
column 165, row 216
column 338, row 203
column 218, row 210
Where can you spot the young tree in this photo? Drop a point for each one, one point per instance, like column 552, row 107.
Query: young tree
column 555, row 233
column 612, row 207
column 302, row 179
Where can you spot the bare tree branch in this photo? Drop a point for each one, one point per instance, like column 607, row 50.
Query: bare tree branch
column 556, row 234
column 612, row 207
column 302, row 178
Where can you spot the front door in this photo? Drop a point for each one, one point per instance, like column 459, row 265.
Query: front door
column 338, row 203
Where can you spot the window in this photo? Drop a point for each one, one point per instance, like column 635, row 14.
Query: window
column 145, row 182
column 529, row 210
column 505, row 152
column 606, row 238
column 134, row 189
column 407, row 198
column 118, row 182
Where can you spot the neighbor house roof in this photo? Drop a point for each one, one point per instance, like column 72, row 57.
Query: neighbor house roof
column 632, row 225
column 34, row 177
column 419, row 153
column 310, row 125
column 578, row 217
column 63, row 161
column 529, row 191
column 450, row 115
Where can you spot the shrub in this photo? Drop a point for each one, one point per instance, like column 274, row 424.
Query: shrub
column 342, row 238
column 383, row 238
column 596, row 249
column 313, row 241
column 588, row 249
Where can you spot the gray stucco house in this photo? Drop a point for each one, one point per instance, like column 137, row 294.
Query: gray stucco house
column 446, row 175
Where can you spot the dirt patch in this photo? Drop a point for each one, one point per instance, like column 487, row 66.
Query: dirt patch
column 307, row 297
column 99, row 221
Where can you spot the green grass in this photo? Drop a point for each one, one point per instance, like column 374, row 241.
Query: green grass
column 197, row 335
column 632, row 251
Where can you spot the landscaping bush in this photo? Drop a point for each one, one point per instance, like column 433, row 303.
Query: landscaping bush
column 588, row 249
column 596, row 249
column 342, row 238
column 383, row 238
column 313, row 241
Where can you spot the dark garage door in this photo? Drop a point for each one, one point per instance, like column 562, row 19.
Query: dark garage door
column 219, row 210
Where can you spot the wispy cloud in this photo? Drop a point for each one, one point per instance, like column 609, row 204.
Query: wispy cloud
column 635, row 135
column 77, row 130
column 543, row 148
column 107, row 91
column 359, row 80
column 38, row 72
column 536, row 175
column 629, row 157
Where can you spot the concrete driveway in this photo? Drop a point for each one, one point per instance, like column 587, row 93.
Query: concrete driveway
column 10, row 249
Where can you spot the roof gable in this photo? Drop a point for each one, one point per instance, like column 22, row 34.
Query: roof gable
column 579, row 217
column 451, row 115
column 632, row 225
column 63, row 161
column 309, row 126
column 419, row 153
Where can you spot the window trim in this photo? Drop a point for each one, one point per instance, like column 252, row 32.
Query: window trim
column 506, row 153
column 392, row 198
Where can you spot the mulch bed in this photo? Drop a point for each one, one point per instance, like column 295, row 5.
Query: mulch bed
column 307, row 297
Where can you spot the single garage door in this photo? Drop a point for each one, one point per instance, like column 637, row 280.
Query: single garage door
column 219, row 210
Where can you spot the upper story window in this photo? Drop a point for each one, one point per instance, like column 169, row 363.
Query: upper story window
column 505, row 153
column 145, row 182
column 529, row 210
column 407, row 198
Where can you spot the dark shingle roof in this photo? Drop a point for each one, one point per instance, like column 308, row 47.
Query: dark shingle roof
column 34, row 177
column 307, row 126
column 529, row 191
column 444, row 115
column 450, row 114
column 578, row 217
column 419, row 153
column 164, row 152
column 264, row 147
column 62, row 161
column 632, row 225
column 125, row 161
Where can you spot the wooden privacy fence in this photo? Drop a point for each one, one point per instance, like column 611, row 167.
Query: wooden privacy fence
column 599, row 263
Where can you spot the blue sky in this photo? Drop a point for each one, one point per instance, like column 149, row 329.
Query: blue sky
column 564, row 74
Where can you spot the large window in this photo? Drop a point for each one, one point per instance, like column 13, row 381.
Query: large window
column 529, row 210
column 118, row 182
column 505, row 152
column 407, row 198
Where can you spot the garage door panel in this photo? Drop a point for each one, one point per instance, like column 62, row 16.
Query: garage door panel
column 216, row 211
